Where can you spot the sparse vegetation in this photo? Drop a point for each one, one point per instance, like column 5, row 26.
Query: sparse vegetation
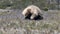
column 20, row 4
column 12, row 21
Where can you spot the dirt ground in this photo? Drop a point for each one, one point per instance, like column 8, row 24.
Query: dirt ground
column 13, row 22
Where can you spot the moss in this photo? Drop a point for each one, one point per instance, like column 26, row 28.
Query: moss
column 45, row 9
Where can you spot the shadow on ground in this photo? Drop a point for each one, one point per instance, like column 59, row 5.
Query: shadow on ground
column 36, row 18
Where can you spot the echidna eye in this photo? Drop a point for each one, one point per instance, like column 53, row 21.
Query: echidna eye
column 26, row 14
